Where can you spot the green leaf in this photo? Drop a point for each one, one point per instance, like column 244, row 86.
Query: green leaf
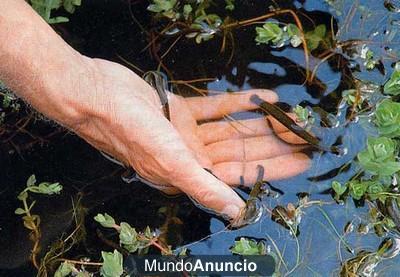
column 387, row 118
column 229, row 5
column 70, row 5
column 105, row 220
column 338, row 188
column 127, row 234
column 64, row 270
column 357, row 189
column 46, row 188
column 313, row 38
column 294, row 35
column 187, row 9
column 161, row 6
column 247, row 246
column 269, row 32
column 320, row 31
column 379, row 157
column 392, row 86
column 31, row 181
column 350, row 96
column 112, row 264
column 23, row 196
column 301, row 113
column 374, row 190
column 45, row 7
column 19, row 211
column 389, row 222
column 148, row 233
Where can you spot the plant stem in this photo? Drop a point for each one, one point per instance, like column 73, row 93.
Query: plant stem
column 81, row 262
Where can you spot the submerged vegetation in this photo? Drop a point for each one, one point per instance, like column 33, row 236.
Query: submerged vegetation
column 32, row 221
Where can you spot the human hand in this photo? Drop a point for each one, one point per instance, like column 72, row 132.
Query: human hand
column 127, row 122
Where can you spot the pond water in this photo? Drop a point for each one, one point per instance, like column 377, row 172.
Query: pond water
column 108, row 29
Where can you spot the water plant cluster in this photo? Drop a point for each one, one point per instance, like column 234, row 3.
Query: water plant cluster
column 379, row 165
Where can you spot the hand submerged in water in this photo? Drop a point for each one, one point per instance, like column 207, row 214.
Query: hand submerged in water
column 117, row 112
column 128, row 123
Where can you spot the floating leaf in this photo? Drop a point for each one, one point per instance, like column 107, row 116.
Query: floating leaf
column 374, row 190
column 379, row 157
column 112, row 264
column 338, row 188
column 64, row 270
column 246, row 246
column 269, row 32
column 105, row 220
column 392, row 86
column 357, row 189
column 387, row 118
column 127, row 234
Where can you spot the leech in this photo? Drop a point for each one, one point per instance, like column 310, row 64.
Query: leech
column 289, row 123
column 160, row 84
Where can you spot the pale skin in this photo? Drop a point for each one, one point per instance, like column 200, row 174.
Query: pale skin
column 117, row 112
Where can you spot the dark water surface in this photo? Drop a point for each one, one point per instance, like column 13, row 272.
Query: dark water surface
column 106, row 29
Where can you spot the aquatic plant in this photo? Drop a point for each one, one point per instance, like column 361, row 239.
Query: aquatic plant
column 387, row 118
column 380, row 157
column 392, row 86
column 246, row 246
column 130, row 239
column 45, row 7
column 278, row 34
column 32, row 221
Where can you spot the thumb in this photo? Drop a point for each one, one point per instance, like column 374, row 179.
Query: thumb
column 208, row 191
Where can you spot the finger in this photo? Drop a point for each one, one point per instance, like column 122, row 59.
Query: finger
column 250, row 149
column 276, row 168
column 210, row 192
column 224, row 130
column 214, row 107
column 185, row 124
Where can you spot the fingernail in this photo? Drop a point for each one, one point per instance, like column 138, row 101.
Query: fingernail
column 232, row 211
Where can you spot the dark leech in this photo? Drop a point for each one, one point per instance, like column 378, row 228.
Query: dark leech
column 253, row 210
column 289, row 123
column 160, row 84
